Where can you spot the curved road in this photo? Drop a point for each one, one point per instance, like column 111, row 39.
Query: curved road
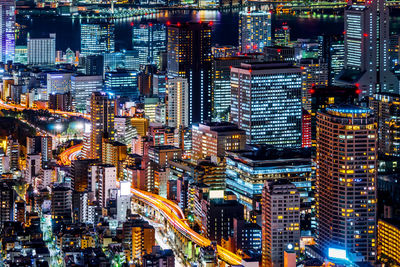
column 167, row 208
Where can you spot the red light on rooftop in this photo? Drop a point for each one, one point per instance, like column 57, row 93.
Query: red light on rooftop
column 344, row 32
column 365, row 34
column 357, row 85
column 178, row 24
column 151, row 24
column 254, row 46
column 279, row 50
column 168, row 23
column 132, row 23
column 358, row 91
column 312, row 91
column 250, row 70
column 211, row 23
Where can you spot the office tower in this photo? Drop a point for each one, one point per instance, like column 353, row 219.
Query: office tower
column 159, row 83
column 145, row 80
column 123, row 84
column 60, row 101
column 94, row 65
column 148, row 40
column 13, row 152
column 124, row 131
column 102, row 110
column 189, row 56
column 387, row 111
column 58, row 83
column 97, row 38
column 103, row 179
column 332, row 53
column 61, row 205
column 141, row 125
column 82, row 88
column 247, row 236
column 150, row 104
column 248, row 170
column 21, row 54
column 315, row 73
column 162, row 154
column 7, row 20
column 280, row 221
column 33, row 166
column 42, row 51
column 7, row 199
column 254, row 31
column 221, row 85
column 138, row 238
column 366, row 44
column 220, row 214
column 178, row 102
column 282, row 35
column 213, row 139
column 114, row 61
column 266, row 103
column 346, row 179
column 279, row 54
column 159, row 257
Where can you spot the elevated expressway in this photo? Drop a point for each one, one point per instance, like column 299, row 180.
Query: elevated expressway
column 168, row 209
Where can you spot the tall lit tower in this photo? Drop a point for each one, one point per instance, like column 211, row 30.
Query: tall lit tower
column 102, row 110
column 346, row 179
column 254, row 31
column 189, row 56
column 367, row 48
column 97, row 38
column 7, row 30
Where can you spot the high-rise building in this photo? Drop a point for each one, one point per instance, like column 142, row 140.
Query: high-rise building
column 82, row 88
column 97, row 38
column 254, row 31
column 102, row 110
column 7, row 198
column 346, row 180
column 215, row 139
column 178, row 102
column 266, row 103
column 332, row 53
column 280, row 221
column 103, row 179
column 7, row 30
column 94, row 65
column 124, row 130
column 60, row 101
column 33, row 166
column 189, row 56
column 42, row 51
column 123, row 84
column 40, row 145
column 61, row 205
column 13, row 152
column 148, row 40
column 367, row 48
column 387, row 111
column 58, row 82
column 221, row 85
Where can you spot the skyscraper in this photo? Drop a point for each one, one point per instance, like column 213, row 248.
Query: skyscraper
column 97, row 38
column 7, row 30
column 178, row 101
column 122, row 83
column 367, row 48
column 148, row 40
column 254, row 31
column 42, row 51
column 82, row 88
column 280, row 221
column 266, row 103
column 102, row 110
column 346, row 180
column 189, row 56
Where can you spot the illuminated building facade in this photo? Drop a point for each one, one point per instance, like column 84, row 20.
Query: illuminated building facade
column 266, row 103
column 42, row 51
column 122, row 83
column 82, row 88
column 189, row 56
column 148, row 41
column 7, row 30
column 58, row 82
column 387, row 110
column 282, row 35
column 366, row 45
column 178, row 102
column 97, row 38
column 247, row 172
column 280, row 221
column 221, row 85
column 214, row 139
column 102, row 110
column 346, row 180
column 389, row 241
column 254, row 31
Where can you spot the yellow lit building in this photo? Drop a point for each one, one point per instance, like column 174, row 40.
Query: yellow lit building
column 141, row 125
column 388, row 242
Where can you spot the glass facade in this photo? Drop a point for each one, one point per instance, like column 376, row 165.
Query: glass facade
column 123, row 84
column 254, row 31
column 97, row 38
column 7, row 29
